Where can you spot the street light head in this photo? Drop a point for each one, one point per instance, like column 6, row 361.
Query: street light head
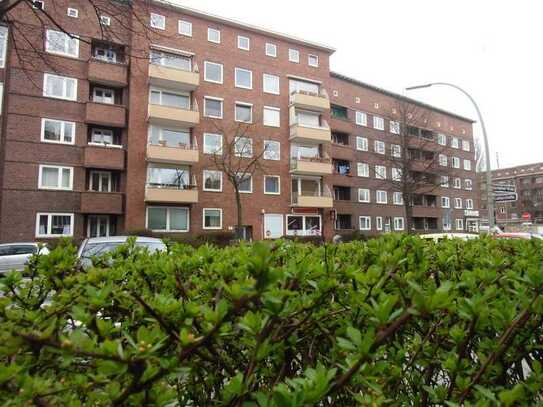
column 419, row 86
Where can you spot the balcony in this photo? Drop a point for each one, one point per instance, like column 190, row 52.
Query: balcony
column 312, row 135
column 105, row 114
column 107, row 73
column 102, row 203
column 172, row 116
column 171, row 194
column 99, row 156
column 161, row 153
column 313, row 199
column 311, row 166
column 163, row 76
column 310, row 101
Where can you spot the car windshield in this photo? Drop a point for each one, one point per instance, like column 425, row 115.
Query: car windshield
column 98, row 249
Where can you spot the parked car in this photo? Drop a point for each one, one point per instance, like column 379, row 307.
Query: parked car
column 98, row 246
column 436, row 237
column 15, row 256
column 519, row 235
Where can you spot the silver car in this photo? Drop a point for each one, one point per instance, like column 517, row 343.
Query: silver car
column 15, row 256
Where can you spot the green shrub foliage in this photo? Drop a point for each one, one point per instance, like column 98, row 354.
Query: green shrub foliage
column 391, row 321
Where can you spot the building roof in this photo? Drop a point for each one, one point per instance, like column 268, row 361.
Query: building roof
column 239, row 24
column 518, row 171
column 397, row 96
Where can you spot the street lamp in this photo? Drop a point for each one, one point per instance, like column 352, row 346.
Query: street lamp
column 489, row 198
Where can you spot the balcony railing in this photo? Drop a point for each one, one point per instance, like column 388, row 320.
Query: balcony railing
column 175, row 116
column 172, row 193
column 180, row 154
column 175, row 78
column 315, row 199
column 310, row 134
column 311, row 165
column 310, row 100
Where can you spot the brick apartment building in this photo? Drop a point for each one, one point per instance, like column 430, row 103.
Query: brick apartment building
column 102, row 138
column 528, row 207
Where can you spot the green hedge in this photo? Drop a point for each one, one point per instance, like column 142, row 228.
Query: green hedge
column 391, row 321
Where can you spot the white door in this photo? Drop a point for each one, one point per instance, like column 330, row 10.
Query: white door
column 273, row 226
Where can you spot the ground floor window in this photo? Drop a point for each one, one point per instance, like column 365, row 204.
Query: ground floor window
column 472, row 225
column 364, row 222
column 167, row 219
column 343, row 221
column 100, row 226
column 398, row 224
column 304, row 225
column 212, row 218
column 459, row 224
column 54, row 224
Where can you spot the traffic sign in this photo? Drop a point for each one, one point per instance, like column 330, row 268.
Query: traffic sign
column 505, row 197
column 526, row 216
column 497, row 188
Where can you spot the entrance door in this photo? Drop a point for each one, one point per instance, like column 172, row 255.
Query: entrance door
column 273, row 226
column 472, row 225
column 99, row 226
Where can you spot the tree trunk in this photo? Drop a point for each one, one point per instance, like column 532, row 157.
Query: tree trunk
column 408, row 210
column 239, row 226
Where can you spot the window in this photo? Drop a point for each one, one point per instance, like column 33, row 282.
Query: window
column 459, row 224
column 379, row 222
column 170, row 99
column 54, row 224
column 104, row 53
column 213, row 107
column 457, row 183
column 379, row 147
column 468, row 184
column 61, row 43
column 38, row 5
column 467, row 165
column 243, row 147
column 103, row 136
column 313, row 60
column 396, row 151
column 362, row 169
column 444, row 181
column 458, row 203
column 3, row 45
column 169, row 137
column 59, row 87
column 455, row 143
column 158, row 21
column 167, row 219
column 381, row 197
column 294, row 55
column 442, row 139
column 380, row 172
column 361, row 118
column 364, row 222
column 270, row 84
column 272, row 116
column 55, row 177
column 339, row 112
column 340, row 138
column 101, row 181
column 397, row 198
column 170, row 60
column 212, row 218
column 213, row 72
column 398, row 224
column 244, row 43
column 363, row 195
column 244, row 112
column 469, row 203
column 102, row 95
column 168, row 176
column 184, row 28
column 214, row 35
column 378, row 123
column 272, row 150
column 300, row 225
column 57, row 131
column 445, row 202
column 361, row 143
column 394, row 127
column 105, row 20
column 212, row 181
column 396, row 174
column 299, row 86
column 443, row 160
column 271, row 50
column 446, row 223
column 466, row 147
column 212, row 143
column 272, row 184
column 245, row 184
column 456, row 162
column 243, row 78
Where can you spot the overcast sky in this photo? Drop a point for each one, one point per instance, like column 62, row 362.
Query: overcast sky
column 490, row 48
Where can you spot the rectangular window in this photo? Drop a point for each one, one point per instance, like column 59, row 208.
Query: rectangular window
column 213, row 72
column 59, row 87
column 167, row 219
column 212, row 218
column 445, row 202
column 103, row 95
column 457, row 183
column 72, row 12
column 446, row 223
column 459, row 224
column 213, row 107
column 1, row 95
column 243, row 78
column 271, row 50
column 299, row 86
column 361, row 118
column 455, row 143
column 243, row 147
column 168, row 176
column 104, row 53
column 398, row 224
column 270, row 84
column 101, row 181
column 170, row 99
column 379, row 222
column 394, row 127
column 396, row 151
column 381, row 197
column 361, row 143
column 378, row 123
column 105, row 20
column 244, row 112
column 57, row 131
column 443, row 160
column 300, row 225
column 458, row 203
column 313, row 60
column 212, row 143
column 364, row 222
column 272, row 150
column 169, row 137
column 379, row 147
column 170, row 60
column 468, row 184
column 212, row 181
column 363, row 195
column 214, row 35
column 158, row 21
column 362, row 169
column 244, row 43
column 104, row 137
column 442, row 139
column 184, row 28
column 397, row 198
column 396, row 174
column 380, row 172
column 54, row 224
column 272, row 116
column 294, row 55
column 245, row 184
column 456, row 162
column 467, row 165
column 444, row 181
column 60, row 43
column 272, row 184
column 466, row 147
column 55, row 177
column 469, row 203
column 3, row 45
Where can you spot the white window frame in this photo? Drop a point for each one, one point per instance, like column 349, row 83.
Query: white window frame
column 155, row 18
column 168, row 219
column 100, row 181
column 218, row 100
column 466, row 145
column 380, row 194
column 294, row 55
column 72, row 12
column 1, row 96
column 361, row 118
column 106, row 90
column 396, row 174
column 271, row 91
column 180, row 23
column 379, row 223
column 397, row 198
column 219, row 150
column 221, row 81
column 365, row 173
column 205, row 173
column 441, row 139
column 442, row 158
column 66, row 38
column 62, row 128
column 240, row 39
column 64, row 78
column 59, row 187
column 396, row 150
column 457, row 183
column 49, row 223
column 4, row 39
column 445, row 202
column 394, row 127
column 244, row 153
column 267, row 157
column 368, row 218
column 457, row 203
column 278, row 183
column 277, row 109
column 455, row 162
column 467, row 165
column 468, row 184
column 455, row 142
column 204, row 219
column 273, row 46
column 459, row 224
column 315, row 57
column 250, row 191
column 377, row 176
column 469, row 203
column 364, row 191
column 304, row 231
column 361, row 143
column 396, row 221
column 102, row 144
column 105, row 20
column 379, row 147
column 378, row 123
column 244, row 104
column 236, row 84
column 214, row 30
column 444, row 181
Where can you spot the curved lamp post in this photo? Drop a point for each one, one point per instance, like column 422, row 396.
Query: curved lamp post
column 489, row 197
